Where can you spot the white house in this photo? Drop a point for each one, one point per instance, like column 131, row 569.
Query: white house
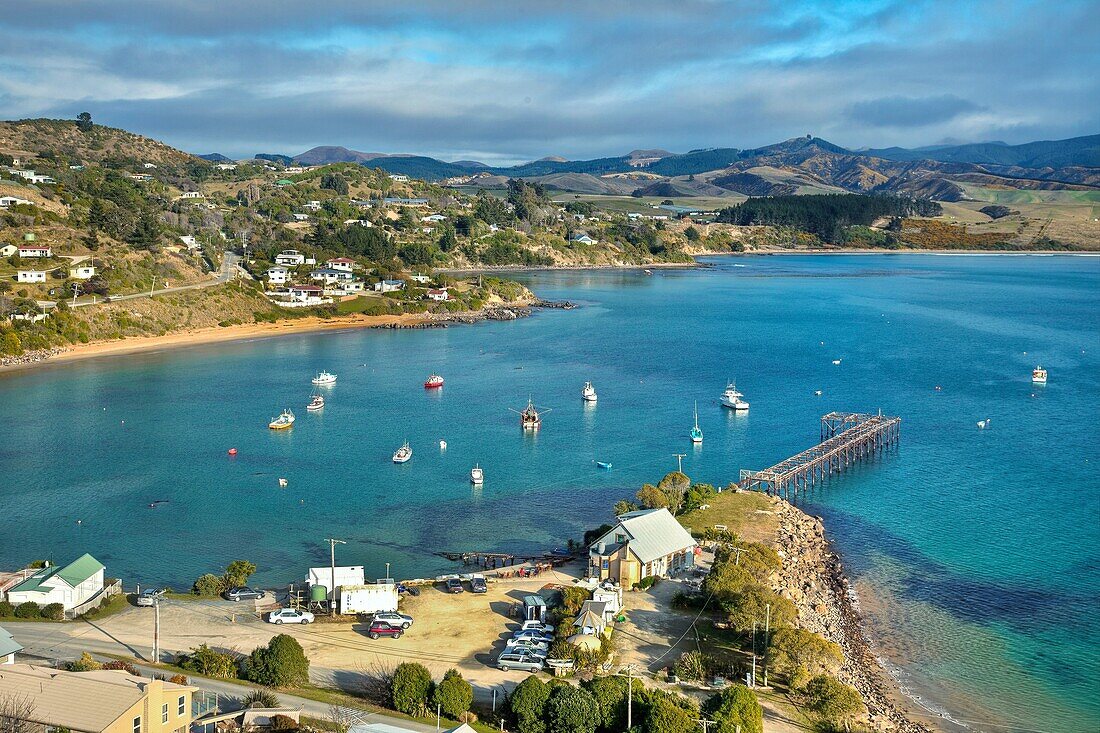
column 343, row 264
column 389, row 286
column 30, row 276
column 399, row 177
column 358, row 222
column 422, row 279
column 306, row 294
column 277, row 275
column 72, row 585
column 189, row 241
column 328, row 275
column 312, row 205
column 644, row 543
column 438, row 294
column 301, row 217
column 290, row 258
column 582, row 238
column 148, row 166
column 226, row 166
column 8, row 201
column 8, row 647
column 82, row 272
column 7, row 250
column 433, row 217
column 354, row 286
column 34, row 250
column 191, row 195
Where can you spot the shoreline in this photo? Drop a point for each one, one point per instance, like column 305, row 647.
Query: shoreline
column 813, row 578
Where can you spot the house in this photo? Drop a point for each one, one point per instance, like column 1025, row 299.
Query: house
column 226, row 166
column 357, row 222
column 8, row 250
column 277, row 275
column 82, row 272
column 191, row 195
column 148, row 166
column 31, row 176
column 76, row 167
column 354, row 286
column 290, row 258
column 301, row 217
column 405, row 202
column 72, row 585
column 190, row 242
column 295, row 169
column 438, row 294
column 399, row 178
column 312, row 205
column 433, row 217
column 389, row 286
column 9, row 647
column 329, row 275
column 30, row 276
column 591, row 619
column 344, row 264
column 34, row 250
column 8, row 201
column 141, row 176
column 643, row 544
column 582, row 238
column 305, row 293
column 422, row 279
column 103, row 701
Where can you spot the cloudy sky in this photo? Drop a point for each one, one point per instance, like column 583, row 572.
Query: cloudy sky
column 520, row 79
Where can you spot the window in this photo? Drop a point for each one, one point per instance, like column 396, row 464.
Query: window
column 164, row 713
column 137, row 724
column 183, row 705
column 620, row 538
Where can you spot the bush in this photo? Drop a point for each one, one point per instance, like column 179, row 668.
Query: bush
column 527, row 705
column 691, row 666
column 7, row 610
column 412, row 686
column 208, row 585
column 734, row 709
column 283, row 722
column 260, row 699
column 454, row 695
column 800, row 655
column 282, row 663
column 646, row 583
column 667, row 714
column 205, row 661
column 238, row 573
column 53, row 612
column 27, row 610
column 121, row 664
column 572, row 598
column 835, row 702
column 571, row 710
column 179, row 679
column 84, row 664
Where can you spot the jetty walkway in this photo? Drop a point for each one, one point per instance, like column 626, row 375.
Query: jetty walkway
column 846, row 439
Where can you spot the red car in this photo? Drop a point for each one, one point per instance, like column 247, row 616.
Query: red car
column 380, row 628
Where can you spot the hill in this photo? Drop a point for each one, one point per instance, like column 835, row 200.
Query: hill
column 64, row 139
column 1077, row 151
column 216, row 158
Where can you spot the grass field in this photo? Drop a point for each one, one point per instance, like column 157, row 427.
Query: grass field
column 747, row 514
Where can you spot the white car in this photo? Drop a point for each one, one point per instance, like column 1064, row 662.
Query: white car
column 289, row 616
column 537, row 626
column 537, row 648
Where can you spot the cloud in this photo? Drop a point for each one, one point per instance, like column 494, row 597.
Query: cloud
column 512, row 81
column 909, row 111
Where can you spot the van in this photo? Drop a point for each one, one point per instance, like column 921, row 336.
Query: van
column 519, row 660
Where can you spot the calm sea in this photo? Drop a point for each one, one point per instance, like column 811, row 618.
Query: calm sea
column 975, row 552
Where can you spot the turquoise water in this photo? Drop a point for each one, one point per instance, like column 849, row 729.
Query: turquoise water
column 975, row 552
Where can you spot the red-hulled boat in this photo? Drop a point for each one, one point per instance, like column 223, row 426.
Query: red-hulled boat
column 434, row 382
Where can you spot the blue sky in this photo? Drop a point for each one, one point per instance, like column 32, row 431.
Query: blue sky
column 511, row 81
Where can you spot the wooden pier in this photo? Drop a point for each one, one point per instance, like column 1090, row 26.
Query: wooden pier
column 846, row 439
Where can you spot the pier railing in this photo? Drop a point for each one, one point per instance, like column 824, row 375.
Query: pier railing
column 846, row 438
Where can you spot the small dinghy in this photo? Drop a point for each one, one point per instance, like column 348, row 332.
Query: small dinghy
column 606, row 465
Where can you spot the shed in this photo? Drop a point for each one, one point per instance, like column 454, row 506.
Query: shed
column 534, row 608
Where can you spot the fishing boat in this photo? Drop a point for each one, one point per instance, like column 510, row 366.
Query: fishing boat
column 588, row 393
column 477, row 476
column 731, row 398
column 324, row 378
column 696, row 433
column 606, row 465
column 529, row 417
column 817, row 392
column 283, row 421
column 315, row 404
column 433, row 382
column 403, row 454
column 1039, row 375
column 836, row 362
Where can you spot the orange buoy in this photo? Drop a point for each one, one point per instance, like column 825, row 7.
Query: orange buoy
column 232, row 451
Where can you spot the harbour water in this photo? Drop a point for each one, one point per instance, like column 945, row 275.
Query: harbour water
column 975, row 553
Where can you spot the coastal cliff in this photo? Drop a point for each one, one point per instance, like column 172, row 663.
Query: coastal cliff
column 813, row 578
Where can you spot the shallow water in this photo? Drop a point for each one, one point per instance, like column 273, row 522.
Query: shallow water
column 975, row 552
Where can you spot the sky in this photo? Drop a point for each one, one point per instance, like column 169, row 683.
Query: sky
column 504, row 82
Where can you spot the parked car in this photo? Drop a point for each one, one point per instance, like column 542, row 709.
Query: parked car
column 537, row 626
column 411, row 590
column 519, row 660
column 532, row 635
column 289, row 616
column 530, row 646
column 454, row 585
column 380, row 628
column 478, row 585
column 393, row 618
column 149, row 596
column 243, row 593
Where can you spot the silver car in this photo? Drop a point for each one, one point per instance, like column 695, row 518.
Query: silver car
column 528, row 647
column 519, row 660
column 394, row 619
column 149, row 596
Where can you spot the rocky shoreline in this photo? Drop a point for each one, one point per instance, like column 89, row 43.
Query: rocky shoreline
column 813, row 578
column 31, row 357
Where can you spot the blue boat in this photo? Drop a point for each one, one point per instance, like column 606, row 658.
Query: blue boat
column 696, row 433
column 604, row 465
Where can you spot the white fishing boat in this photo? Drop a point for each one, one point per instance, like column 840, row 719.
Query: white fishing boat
column 283, row 421
column 1039, row 375
column 477, row 476
column 696, row 432
column 315, row 404
column 836, row 362
column 588, row 393
column 731, row 398
column 324, row 378
column 403, row 454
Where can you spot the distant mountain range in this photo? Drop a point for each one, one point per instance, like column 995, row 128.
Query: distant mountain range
column 798, row 165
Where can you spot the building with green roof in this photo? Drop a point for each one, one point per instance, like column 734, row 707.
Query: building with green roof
column 70, row 585
column 9, row 647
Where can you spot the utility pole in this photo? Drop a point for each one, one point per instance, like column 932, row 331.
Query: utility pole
column 76, row 292
column 156, row 630
column 387, row 572
column 753, row 678
column 705, row 723
column 332, row 589
column 737, row 554
column 680, row 461
column 153, row 285
column 629, row 694
column 767, row 632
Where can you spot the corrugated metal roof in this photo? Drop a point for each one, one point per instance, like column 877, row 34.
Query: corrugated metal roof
column 8, row 644
column 654, row 533
column 80, row 569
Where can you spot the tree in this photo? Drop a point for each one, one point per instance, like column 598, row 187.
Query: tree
column 692, row 234
column 691, row 666
column 734, row 709
column 622, row 506
column 260, row 699
column 674, row 485
column 527, row 704
column 15, row 713
column 650, row 497
column 335, row 182
column 10, row 344
column 447, row 241
column 238, row 572
column 571, row 709
column 664, row 715
column 282, row 663
column 85, row 664
column 209, row 663
column 454, row 695
column 84, row 121
column 752, row 604
column 610, row 696
column 834, row 701
column 800, row 655
column 146, row 232
column 412, row 686
column 208, row 585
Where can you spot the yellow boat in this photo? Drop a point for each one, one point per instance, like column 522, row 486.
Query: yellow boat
column 282, row 422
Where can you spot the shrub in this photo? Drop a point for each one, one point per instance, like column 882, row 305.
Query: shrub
column 121, row 664
column 453, row 694
column 238, row 573
column 27, row 610
column 53, row 612
column 283, row 722
column 84, row 664
column 572, row 598
column 691, row 666
column 665, row 714
column 646, row 583
column 282, row 663
column 527, row 705
column 734, row 709
column 7, row 610
column 260, row 699
column 835, row 702
column 179, row 679
column 571, row 710
column 800, row 655
column 412, row 686
column 208, row 585
column 205, row 661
